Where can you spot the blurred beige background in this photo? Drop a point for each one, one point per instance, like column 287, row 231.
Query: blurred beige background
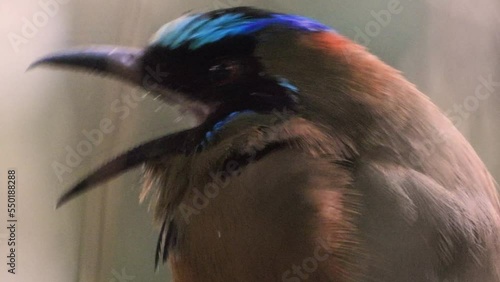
column 446, row 47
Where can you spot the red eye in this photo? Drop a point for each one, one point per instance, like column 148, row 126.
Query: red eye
column 225, row 72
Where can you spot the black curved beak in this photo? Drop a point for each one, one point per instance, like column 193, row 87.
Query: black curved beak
column 182, row 142
column 126, row 64
column 122, row 62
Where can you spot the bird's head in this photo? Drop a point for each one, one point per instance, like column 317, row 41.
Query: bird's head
column 211, row 64
column 221, row 63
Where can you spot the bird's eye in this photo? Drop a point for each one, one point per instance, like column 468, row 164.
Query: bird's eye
column 225, row 72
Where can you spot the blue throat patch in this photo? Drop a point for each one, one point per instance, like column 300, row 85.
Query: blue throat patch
column 209, row 136
column 198, row 30
column 283, row 82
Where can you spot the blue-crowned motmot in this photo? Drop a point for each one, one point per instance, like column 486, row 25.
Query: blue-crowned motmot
column 311, row 159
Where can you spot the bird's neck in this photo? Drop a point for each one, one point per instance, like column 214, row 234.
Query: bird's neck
column 239, row 140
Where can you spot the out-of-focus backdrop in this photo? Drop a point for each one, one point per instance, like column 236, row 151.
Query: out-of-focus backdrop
column 448, row 48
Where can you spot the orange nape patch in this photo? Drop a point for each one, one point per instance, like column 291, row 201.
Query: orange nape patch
column 330, row 42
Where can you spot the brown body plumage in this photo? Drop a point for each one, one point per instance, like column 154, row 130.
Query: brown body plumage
column 385, row 185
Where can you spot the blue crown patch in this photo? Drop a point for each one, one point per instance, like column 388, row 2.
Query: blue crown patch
column 198, row 30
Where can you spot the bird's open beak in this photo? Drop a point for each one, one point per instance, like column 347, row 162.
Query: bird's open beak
column 123, row 63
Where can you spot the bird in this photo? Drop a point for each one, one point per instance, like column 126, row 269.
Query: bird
column 310, row 160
